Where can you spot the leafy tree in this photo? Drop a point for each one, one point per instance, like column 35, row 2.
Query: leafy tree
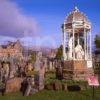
column 97, row 65
column 59, row 52
column 32, row 57
column 97, row 41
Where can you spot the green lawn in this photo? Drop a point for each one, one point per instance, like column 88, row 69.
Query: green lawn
column 54, row 95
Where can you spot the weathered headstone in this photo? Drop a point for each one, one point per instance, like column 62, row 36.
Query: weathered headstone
column 6, row 69
column 30, row 81
column 13, row 85
column 0, row 72
column 38, row 61
column 41, row 78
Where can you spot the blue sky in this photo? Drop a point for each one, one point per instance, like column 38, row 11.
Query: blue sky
column 50, row 14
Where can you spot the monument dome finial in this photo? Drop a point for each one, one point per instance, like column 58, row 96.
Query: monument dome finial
column 76, row 9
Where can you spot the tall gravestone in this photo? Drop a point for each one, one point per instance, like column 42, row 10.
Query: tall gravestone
column 41, row 77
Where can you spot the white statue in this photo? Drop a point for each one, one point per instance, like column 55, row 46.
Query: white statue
column 79, row 52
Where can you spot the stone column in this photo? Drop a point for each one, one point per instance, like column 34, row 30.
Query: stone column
column 64, row 43
column 84, row 43
column 68, row 46
column 73, row 42
column 90, row 45
column 87, row 45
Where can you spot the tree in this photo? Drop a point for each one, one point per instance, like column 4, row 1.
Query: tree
column 32, row 57
column 97, row 52
column 97, row 41
column 59, row 52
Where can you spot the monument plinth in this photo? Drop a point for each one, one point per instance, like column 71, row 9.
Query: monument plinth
column 75, row 70
column 77, row 46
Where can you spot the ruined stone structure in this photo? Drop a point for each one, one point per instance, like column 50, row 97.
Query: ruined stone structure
column 10, row 55
column 77, row 46
column 12, row 49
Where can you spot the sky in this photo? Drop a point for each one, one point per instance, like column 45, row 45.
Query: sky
column 38, row 22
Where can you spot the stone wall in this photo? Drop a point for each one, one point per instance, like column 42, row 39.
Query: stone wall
column 13, row 85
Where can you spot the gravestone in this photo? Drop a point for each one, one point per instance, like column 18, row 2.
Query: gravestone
column 6, row 69
column 41, row 77
column 38, row 61
column 13, row 85
column 30, row 81
column 1, row 72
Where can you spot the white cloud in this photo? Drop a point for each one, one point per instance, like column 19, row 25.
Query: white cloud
column 13, row 22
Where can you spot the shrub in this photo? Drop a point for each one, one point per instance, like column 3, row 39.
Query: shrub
column 74, row 88
column 57, row 85
column 50, row 77
column 30, row 73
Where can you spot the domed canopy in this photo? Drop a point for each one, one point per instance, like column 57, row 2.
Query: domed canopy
column 76, row 15
column 78, row 20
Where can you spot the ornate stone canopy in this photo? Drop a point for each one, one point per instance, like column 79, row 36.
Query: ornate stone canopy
column 77, row 36
column 77, row 16
column 77, row 19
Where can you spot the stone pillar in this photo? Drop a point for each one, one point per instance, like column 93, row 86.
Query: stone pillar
column 64, row 43
column 90, row 45
column 68, row 46
column 85, row 43
column 73, row 43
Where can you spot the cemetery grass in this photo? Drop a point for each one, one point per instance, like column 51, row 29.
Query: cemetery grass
column 54, row 95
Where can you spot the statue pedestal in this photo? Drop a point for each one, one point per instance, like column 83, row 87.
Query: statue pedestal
column 76, row 70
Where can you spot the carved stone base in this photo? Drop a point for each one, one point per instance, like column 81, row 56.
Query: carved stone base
column 76, row 70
